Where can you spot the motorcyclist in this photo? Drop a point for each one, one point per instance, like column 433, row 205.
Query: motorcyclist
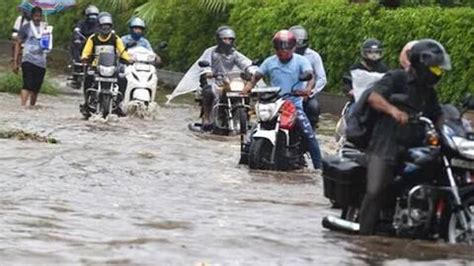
column 371, row 60
column 311, row 105
column 223, row 58
column 283, row 70
column 391, row 134
column 136, row 36
column 82, row 30
column 102, row 41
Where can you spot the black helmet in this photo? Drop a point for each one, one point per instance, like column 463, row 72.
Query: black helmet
column 225, row 32
column 301, row 36
column 429, row 58
column 371, row 50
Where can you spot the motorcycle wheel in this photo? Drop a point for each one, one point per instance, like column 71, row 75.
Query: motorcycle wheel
column 260, row 153
column 241, row 115
column 455, row 234
column 105, row 105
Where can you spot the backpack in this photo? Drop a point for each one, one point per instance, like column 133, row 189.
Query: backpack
column 360, row 123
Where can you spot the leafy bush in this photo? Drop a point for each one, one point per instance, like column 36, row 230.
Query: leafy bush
column 13, row 83
column 337, row 31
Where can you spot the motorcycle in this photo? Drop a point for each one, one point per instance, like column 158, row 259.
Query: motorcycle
column 276, row 143
column 230, row 114
column 432, row 195
column 102, row 97
column 142, row 82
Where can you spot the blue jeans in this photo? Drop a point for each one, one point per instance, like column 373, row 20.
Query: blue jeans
column 313, row 144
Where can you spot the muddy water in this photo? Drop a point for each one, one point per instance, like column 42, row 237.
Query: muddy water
column 134, row 192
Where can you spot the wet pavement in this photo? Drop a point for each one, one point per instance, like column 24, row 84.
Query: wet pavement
column 139, row 192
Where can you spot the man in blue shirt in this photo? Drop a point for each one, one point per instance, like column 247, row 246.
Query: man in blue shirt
column 137, row 30
column 283, row 70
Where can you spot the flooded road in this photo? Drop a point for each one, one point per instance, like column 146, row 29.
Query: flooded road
column 135, row 192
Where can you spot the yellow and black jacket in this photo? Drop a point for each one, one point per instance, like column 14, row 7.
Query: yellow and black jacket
column 95, row 45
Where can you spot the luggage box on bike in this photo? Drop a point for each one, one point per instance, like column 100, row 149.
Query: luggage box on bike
column 344, row 180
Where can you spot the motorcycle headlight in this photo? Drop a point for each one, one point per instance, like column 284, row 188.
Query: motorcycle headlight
column 464, row 146
column 106, row 71
column 265, row 112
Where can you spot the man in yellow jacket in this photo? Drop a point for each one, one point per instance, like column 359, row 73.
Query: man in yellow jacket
column 104, row 41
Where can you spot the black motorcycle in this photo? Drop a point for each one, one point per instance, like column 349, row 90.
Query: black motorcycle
column 230, row 114
column 432, row 195
column 103, row 97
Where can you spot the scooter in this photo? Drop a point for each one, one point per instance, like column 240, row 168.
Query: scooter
column 142, row 82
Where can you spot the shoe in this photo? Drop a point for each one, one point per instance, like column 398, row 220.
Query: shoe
column 208, row 127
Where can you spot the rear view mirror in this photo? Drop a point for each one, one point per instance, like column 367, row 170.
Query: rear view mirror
column 246, row 76
column 305, row 76
column 162, row 45
column 468, row 102
column 77, row 30
column 257, row 62
column 130, row 45
column 203, row 63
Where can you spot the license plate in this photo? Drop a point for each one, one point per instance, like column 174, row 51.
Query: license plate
column 143, row 67
column 462, row 164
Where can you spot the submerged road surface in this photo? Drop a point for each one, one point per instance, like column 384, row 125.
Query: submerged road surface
column 135, row 192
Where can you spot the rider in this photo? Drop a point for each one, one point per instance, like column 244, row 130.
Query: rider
column 391, row 134
column 84, row 29
column 371, row 52
column 223, row 58
column 136, row 37
column 283, row 70
column 311, row 105
column 102, row 41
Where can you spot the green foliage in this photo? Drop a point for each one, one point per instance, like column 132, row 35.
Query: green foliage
column 13, row 83
column 337, row 30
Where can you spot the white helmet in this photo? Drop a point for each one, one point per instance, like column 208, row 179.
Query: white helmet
column 137, row 22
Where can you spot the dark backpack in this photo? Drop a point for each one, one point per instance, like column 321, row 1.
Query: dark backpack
column 360, row 123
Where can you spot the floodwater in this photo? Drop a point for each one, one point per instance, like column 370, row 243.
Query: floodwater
column 139, row 192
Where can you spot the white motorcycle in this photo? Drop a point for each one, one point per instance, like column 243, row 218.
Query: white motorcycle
column 142, row 82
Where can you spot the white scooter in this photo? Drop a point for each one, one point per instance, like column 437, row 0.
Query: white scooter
column 142, row 81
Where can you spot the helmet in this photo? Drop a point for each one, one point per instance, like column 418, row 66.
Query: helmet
column 91, row 11
column 372, row 50
column 429, row 60
column 105, row 23
column 284, row 41
column 301, row 36
column 137, row 23
column 225, row 32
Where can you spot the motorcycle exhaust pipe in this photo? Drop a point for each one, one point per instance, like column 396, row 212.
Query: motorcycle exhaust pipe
column 337, row 224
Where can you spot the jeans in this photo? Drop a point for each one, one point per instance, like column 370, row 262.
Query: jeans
column 313, row 144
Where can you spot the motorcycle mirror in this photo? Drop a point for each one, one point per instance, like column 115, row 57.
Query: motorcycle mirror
column 246, row 76
column 162, row 45
column 305, row 76
column 203, row 63
column 130, row 45
column 468, row 102
column 257, row 62
column 77, row 30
